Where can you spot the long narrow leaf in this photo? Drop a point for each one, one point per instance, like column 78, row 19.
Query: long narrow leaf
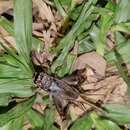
column 16, row 112
column 16, row 124
column 8, row 26
column 60, row 8
column 4, row 99
column 84, row 123
column 36, row 122
column 118, row 113
column 103, row 124
column 122, row 69
column 123, row 49
column 20, row 62
column 23, row 27
column 15, row 80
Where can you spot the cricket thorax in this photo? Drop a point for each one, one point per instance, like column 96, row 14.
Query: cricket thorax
column 44, row 81
column 47, row 83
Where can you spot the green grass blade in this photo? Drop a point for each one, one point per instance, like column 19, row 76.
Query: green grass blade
column 4, row 99
column 100, row 33
column 36, row 122
column 49, row 119
column 23, row 27
column 16, row 124
column 122, row 69
column 8, row 26
column 84, row 123
column 123, row 50
column 60, row 8
column 122, row 11
column 14, row 78
column 103, row 124
column 118, row 113
column 20, row 61
column 16, row 112
column 121, row 27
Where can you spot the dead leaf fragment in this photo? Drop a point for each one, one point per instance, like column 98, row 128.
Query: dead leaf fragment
column 3, row 32
column 112, row 89
column 44, row 10
column 92, row 59
column 37, row 26
column 78, row 1
column 27, row 126
column 5, row 5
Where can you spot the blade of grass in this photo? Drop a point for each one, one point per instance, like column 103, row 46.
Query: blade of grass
column 49, row 119
column 121, row 27
column 103, row 124
column 23, row 27
column 122, row 11
column 60, row 8
column 84, row 123
column 104, row 25
column 8, row 26
column 15, row 87
column 16, row 112
column 22, row 63
column 118, row 113
column 16, row 124
column 36, row 122
column 122, row 69
column 4, row 99
column 14, row 78
column 123, row 49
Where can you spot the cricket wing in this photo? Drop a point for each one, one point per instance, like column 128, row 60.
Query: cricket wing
column 67, row 91
column 61, row 104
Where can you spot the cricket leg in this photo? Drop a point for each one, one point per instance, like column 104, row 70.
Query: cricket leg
column 79, row 104
column 89, row 101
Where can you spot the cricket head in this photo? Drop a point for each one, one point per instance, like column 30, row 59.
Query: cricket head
column 44, row 81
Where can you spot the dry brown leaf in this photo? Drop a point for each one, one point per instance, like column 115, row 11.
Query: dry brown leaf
column 6, row 38
column 10, row 40
column 92, row 59
column 5, row 5
column 39, row 107
column 48, row 43
column 1, row 40
column 27, row 126
column 75, row 112
column 38, row 34
column 38, row 26
column 110, row 41
column 91, row 77
column 78, row 1
column 111, row 89
column 44, row 10
column 3, row 31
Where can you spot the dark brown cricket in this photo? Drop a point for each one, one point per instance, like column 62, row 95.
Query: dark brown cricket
column 62, row 94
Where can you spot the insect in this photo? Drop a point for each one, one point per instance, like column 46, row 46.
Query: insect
column 61, row 92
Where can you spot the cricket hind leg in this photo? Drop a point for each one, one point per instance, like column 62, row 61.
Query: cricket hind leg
column 89, row 101
column 82, row 105
column 79, row 104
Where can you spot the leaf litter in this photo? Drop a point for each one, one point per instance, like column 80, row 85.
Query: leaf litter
column 101, row 83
